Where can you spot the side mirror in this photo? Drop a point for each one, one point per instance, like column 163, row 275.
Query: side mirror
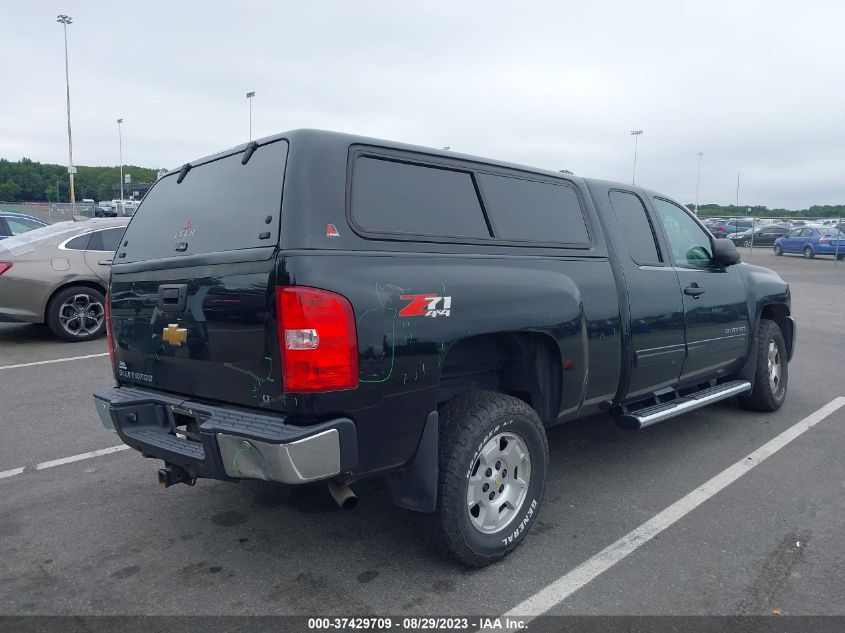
column 725, row 253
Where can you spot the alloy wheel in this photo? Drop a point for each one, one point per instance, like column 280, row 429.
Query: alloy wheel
column 774, row 366
column 81, row 315
column 498, row 482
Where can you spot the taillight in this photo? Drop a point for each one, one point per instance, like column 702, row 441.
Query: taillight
column 4, row 266
column 109, row 335
column 317, row 338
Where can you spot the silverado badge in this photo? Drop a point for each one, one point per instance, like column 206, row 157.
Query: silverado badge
column 174, row 334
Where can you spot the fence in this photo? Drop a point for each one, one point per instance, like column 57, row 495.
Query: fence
column 51, row 211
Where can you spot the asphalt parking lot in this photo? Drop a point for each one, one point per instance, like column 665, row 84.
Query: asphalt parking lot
column 97, row 536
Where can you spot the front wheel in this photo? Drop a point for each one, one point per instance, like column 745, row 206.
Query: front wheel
column 493, row 464
column 772, row 370
column 808, row 252
column 778, row 250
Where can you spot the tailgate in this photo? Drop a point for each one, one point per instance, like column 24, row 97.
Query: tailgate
column 211, row 337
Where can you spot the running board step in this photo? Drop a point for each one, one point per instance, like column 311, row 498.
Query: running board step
column 665, row 410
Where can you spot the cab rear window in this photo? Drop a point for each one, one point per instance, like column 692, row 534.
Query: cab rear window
column 220, row 205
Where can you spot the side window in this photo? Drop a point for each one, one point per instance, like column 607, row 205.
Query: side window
column 393, row 197
column 806, row 232
column 689, row 242
column 794, row 233
column 522, row 209
column 107, row 240
column 79, row 243
column 637, row 231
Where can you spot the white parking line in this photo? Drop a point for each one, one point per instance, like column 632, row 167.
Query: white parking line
column 55, row 360
column 64, row 460
column 556, row 592
column 80, row 457
column 10, row 473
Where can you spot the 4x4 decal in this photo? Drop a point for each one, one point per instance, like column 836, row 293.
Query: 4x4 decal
column 426, row 305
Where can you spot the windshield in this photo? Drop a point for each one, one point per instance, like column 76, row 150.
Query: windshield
column 221, row 205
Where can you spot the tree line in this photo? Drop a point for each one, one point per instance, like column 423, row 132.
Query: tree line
column 757, row 211
column 30, row 181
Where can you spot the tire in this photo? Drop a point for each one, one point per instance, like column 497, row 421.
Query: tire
column 808, row 252
column 475, row 424
column 778, row 250
column 768, row 394
column 77, row 314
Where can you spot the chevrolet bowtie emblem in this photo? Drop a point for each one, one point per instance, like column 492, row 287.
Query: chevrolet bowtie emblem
column 174, row 334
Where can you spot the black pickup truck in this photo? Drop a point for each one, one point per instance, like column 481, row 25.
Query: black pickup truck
column 317, row 306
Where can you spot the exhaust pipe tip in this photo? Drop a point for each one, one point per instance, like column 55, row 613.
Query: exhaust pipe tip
column 343, row 496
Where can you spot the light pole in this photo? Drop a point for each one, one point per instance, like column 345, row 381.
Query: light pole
column 249, row 96
column 698, row 182
column 120, row 142
column 64, row 20
column 635, row 134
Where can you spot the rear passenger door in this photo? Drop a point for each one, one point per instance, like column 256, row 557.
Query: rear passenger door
column 100, row 251
column 715, row 302
column 656, row 312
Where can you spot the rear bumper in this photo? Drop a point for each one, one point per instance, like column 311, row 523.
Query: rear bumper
column 224, row 443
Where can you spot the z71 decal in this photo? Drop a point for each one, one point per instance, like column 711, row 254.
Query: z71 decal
column 429, row 305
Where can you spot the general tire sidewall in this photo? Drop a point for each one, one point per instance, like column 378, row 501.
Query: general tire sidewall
column 501, row 542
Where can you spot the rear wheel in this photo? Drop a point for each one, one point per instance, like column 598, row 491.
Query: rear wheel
column 772, row 370
column 77, row 314
column 808, row 252
column 778, row 250
column 493, row 460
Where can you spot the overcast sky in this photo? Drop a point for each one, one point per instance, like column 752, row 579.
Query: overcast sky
column 756, row 85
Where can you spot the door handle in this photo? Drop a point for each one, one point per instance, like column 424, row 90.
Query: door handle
column 172, row 297
column 105, row 262
column 694, row 290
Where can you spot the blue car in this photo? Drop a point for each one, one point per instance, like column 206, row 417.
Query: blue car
column 810, row 241
column 16, row 223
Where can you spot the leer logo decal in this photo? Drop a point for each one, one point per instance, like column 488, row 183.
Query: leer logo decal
column 186, row 231
column 426, row 305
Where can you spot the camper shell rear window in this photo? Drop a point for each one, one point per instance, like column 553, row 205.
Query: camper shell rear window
column 219, row 205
